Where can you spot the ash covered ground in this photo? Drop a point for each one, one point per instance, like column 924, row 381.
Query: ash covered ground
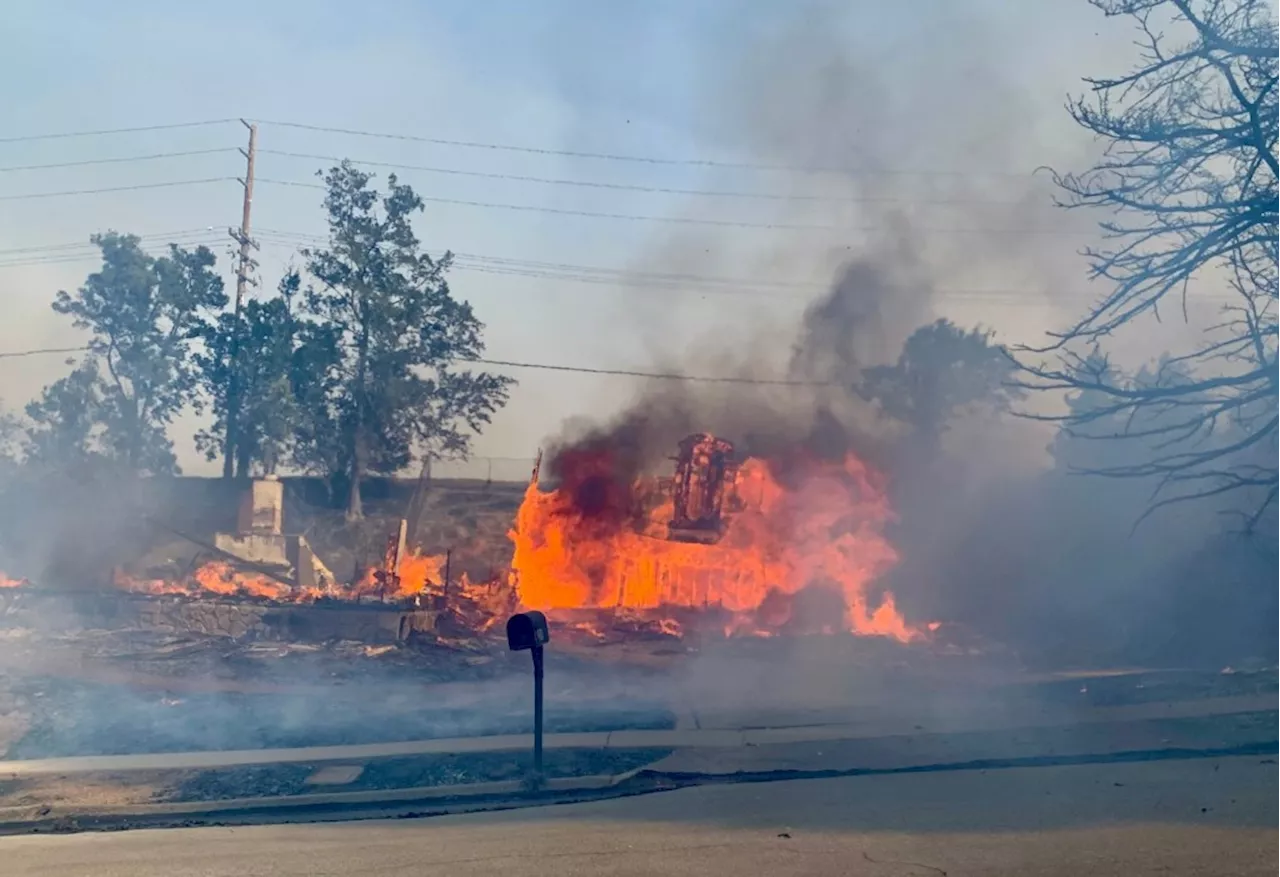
column 118, row 692
column 113, row 692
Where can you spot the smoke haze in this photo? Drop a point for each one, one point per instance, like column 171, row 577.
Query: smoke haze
column 997, row 541
column 996, row 536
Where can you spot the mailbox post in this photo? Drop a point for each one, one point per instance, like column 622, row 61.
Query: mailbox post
column 528, row 631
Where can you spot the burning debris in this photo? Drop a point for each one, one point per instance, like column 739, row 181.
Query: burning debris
column 261, row 582
column 765, row 545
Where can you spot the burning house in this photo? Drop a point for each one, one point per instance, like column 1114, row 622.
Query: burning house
column 750, row 543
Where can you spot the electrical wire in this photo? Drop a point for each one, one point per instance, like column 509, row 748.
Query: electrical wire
column 626, row 187
column 133, row 188
column 640, row 159
column 90, row 253
column 184, row 232
column 106, row 131
column 504, row 266
column 14, row 354
column 120, row 160
column 661, row 376
column 689, row 220
column 590, row 274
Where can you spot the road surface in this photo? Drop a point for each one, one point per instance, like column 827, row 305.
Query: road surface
column 1209, row 817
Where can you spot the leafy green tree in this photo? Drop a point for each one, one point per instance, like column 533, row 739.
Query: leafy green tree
column 63, row 428
column 385, row 333
column 254, row 352
column 142, row 314
column 942, row 371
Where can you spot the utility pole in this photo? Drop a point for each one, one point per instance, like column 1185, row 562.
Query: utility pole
column 242, row 273
column 242, row 286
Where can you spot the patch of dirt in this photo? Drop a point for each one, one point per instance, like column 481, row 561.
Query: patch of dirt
column 97, row 790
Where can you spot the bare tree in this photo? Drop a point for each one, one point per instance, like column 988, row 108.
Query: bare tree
column 1189, row 180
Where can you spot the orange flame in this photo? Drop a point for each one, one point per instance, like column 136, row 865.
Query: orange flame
column 595, row 544
column 419, row 574
column 217, row 578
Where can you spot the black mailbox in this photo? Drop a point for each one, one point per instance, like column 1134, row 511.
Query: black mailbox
column 527, row 630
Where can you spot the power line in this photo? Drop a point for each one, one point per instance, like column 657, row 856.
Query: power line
column 480, row 263
column 505, row 266
column 532, row 208
column 627, row 187
column 14, row 354
column 640, row 159
column 185, row 232
column 148, row 249
column 133, row 188
column 689, row 220
column 664, row 376
column 151, row 249
column 661, row 376
column 508, row 147
column 1027, row 296
column 105, row 131
column 121, row 160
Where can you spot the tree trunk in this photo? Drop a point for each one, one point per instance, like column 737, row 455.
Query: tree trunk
column 355, row 509
column 230, row 441
column 244, row 461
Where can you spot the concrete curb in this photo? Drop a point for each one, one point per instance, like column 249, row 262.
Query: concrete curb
column 16, row 819
column 507, row 795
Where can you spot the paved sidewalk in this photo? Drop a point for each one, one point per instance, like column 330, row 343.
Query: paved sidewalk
column 680, row 738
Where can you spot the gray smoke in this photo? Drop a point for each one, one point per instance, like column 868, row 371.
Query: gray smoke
column 993, row 538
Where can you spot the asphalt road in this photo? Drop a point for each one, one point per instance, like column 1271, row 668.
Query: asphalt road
column 1210, row 817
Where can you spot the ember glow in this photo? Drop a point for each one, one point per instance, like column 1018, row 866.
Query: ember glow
column 800, row 537
column 469, row 606
column 419, row 574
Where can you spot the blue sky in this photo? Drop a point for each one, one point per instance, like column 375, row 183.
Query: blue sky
column 927, row 84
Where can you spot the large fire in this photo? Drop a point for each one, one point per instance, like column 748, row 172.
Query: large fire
column 759, row 546
column 801, row 533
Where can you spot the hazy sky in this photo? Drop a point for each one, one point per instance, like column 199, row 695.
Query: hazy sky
column 949, row 103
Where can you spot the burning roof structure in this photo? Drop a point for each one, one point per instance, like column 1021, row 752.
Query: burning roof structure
column 766, row 545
